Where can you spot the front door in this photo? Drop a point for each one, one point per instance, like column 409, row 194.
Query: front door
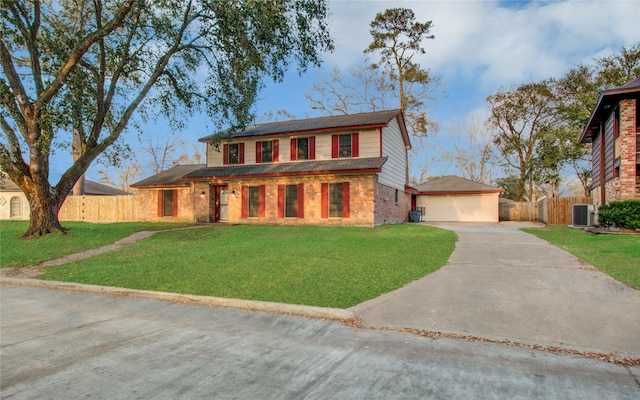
column 222, row 204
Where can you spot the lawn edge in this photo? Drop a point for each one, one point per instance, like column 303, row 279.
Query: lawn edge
column 247, row 305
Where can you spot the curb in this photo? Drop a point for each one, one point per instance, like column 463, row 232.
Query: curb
column 248, row 305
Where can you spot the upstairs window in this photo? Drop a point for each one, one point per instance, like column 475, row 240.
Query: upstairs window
column 233, row 153
column 267, row 151
column 303, row 148
column 345, row 146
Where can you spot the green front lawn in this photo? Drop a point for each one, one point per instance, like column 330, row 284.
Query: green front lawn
column 320, row 266
column 616, row 255
column 18, row 252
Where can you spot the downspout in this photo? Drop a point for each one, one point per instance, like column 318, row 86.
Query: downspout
column 603, row 197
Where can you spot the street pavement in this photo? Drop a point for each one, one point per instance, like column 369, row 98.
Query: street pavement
column 58, row 344
column 502, row 283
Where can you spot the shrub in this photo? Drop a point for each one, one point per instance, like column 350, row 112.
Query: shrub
column 625, row 214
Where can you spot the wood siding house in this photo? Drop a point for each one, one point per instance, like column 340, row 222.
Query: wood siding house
column 338, row 170
column 613, row 130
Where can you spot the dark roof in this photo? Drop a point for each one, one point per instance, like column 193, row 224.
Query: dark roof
column 7, row 185
column 90, row 188
column 369, row 119
column 98, row 189
column 607, row 99
column 455, row 184
column 170, row 177
column 347, row 165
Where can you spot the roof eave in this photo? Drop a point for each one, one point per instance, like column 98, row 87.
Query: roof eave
column 279, row 174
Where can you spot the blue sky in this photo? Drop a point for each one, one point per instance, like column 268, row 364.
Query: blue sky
column 480, row 46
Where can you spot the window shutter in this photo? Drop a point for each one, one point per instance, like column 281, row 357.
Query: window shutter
column 324, row 200
column 225, row 154
column 245, row 202
column 160, row 199
column 276, row 150
column 345, row 199
column 261, row 193
column 280, row 201
column 174, row 203
column 312, row 148
column 258, row 152
column 241, row 155
column 300, row 200
column 335, row 147
column 355, row 145
column 293, row 149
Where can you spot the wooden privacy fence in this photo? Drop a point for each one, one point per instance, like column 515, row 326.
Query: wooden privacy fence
column 559, row 210
column 100, row 209
column 514, row 211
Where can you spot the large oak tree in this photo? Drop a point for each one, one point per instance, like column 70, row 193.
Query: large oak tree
column 76, row 71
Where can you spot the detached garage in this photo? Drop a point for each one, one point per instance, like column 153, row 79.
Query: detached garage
column 455, row 199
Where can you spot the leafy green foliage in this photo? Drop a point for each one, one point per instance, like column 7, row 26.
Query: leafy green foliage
column 624, row 214
column 615, row 255
column 77, row 72
column 397, row 37
column 321, row 266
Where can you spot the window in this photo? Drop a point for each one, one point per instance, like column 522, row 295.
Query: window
column 15, row 207
column 253, row 201
column 291, row 201
column 335, row 200
column 303, row 148
column 167, row 203
column 345, row 146
column 233, row 153
column 396, row 196
column 267, row 151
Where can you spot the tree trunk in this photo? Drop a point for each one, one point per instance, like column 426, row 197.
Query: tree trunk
column 44, row 215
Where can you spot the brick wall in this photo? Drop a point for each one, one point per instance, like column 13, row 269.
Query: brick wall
column 361, row 204
column 148, row 205
column 627, row 184
column 387, row 210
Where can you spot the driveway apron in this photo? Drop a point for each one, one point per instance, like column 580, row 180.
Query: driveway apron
column 502, row 283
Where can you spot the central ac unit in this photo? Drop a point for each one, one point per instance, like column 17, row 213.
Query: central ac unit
column 582, row 215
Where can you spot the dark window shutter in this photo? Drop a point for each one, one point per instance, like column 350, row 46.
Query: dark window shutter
column 258, row 152
column 241, row 155
column 280, row 201
column 355, row 145
column 225, row 154
column 293, row 149
column 261, row 194
column 245, row 202
column 276, row 150
column 324, row 200
column 312, row 148
column 174, row 203
column 160, row 200
column 335, row 147
column 345, row 199
column 301, row 200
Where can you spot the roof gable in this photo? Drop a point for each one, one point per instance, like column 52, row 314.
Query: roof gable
column 451, row 184
column 606, row 101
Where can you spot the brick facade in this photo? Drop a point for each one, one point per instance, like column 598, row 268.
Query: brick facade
column 388, row 210
column 148, row 205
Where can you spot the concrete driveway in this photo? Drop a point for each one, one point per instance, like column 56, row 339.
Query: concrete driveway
column 502, row 283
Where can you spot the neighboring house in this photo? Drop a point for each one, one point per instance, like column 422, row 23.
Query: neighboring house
column 14, row 203
column 338, row 170
column 455, row 199
column 613, row 130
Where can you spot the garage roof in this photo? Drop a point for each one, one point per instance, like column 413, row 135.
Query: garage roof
column 451, row 184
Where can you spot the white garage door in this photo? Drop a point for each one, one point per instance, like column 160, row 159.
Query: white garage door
column 460, row 208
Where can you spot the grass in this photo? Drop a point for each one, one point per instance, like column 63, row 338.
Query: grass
column 320, row 266
column 16, row 251
column 616, row 255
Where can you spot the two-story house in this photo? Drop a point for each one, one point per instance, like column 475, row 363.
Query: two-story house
column 613, row 130
column 337, row 170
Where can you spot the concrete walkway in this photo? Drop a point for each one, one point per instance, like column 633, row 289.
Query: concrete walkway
column 501, row 283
